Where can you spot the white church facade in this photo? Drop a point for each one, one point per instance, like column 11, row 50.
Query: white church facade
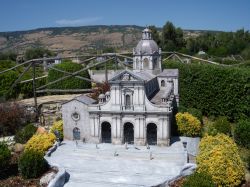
column 138, row 109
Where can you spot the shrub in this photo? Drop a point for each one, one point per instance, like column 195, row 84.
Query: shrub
column 23, row 135
column 70, row 83
column 40, row 142
column 188, row 125
column 100, row 88
column 12, row 118
column 195, row 112
column 242, row 133
column 215, row 90
column 58, row 126
column 198, row 180
column 219, row 158
column 5, row 155
column 222, row 125
column 32, row 164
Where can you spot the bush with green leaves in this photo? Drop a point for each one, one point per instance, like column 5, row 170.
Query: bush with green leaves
column 242, row 133
column 69, row 83
column 188, row 125
column 222, row 125
column 23, row 135
column 215, row 90
column 32, row 164
column 5, row 155
column 198, row 180
column 219, row 157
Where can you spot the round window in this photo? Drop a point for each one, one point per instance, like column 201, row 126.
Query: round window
column 75, row 116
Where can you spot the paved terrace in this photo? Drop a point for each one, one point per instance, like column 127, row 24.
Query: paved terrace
column 98, row 167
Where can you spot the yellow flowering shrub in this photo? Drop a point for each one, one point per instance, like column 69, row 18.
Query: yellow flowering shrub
column 219, row 158
column 188, row 125
column 58, row 125
column 40, row 142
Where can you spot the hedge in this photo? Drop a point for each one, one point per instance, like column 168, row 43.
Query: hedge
column 70, row 83
column 215, row 90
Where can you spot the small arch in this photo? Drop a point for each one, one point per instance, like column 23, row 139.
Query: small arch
column 145, row 63
column 106, row 132
column 128, row 131
column 163, row 84
column 152, row 134
column 76, row 133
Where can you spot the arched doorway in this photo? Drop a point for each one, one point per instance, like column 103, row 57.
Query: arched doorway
column 162, row 83
column 145, row 63
column 76, row 133
column 106, row 132
column 128, row 130
column 152, row 134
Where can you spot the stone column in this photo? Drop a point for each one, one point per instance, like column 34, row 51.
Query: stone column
column 116, row 130
column 163, row 133
column 95, row 128
column 140, row 130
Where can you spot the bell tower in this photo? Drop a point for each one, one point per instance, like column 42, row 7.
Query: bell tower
column 147, row 54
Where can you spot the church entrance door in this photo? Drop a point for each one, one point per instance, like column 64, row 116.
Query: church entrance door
column 128, row 131
column 76, row 133
column 152, row 134
column 106, row 132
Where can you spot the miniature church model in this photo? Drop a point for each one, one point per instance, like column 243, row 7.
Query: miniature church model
column 138, row 109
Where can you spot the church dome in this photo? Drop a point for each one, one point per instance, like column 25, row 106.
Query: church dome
column 147, row 45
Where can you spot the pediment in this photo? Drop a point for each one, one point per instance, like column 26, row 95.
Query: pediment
column 126, row 75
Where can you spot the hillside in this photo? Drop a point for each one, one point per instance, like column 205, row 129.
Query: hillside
column 73, row 40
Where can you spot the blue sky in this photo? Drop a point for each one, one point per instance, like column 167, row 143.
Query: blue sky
column 227, row 15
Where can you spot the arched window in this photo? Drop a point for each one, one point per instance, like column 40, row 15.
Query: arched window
column 137, row 64
column 162, row 83
column 76, row 133
column 145, row 63
column 127, row 102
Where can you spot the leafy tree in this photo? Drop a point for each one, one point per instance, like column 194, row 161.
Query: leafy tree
column 9, row 55
column 155, row 35
column 39, row 52
column 172, row 38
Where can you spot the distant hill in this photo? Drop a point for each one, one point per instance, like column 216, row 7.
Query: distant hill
column 75, row 40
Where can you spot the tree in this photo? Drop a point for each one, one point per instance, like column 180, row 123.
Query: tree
column 39, row 52
column 155, row 35
column 172, row 38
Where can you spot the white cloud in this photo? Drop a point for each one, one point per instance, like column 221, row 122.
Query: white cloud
column 75, row 22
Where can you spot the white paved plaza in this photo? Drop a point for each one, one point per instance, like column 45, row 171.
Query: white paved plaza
column 98, row 167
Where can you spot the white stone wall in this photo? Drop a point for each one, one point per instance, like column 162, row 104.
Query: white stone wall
column 69, row 124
